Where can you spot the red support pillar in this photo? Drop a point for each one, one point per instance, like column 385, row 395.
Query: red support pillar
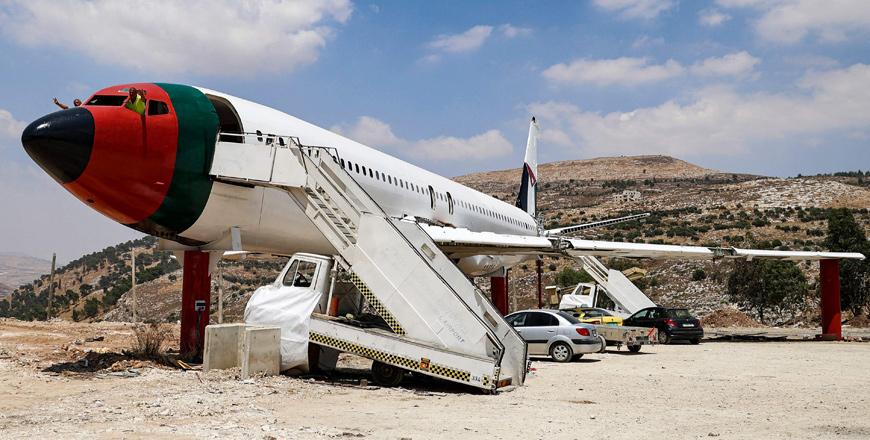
column 829, row 274
column 195, row 299
column 498, row 288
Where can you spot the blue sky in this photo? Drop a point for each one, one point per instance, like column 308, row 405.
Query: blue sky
column 775, row 87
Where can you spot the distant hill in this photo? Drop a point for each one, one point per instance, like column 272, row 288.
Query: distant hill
column 689, row 205
column 603, row 168
column 17, row 269
column 97, row 286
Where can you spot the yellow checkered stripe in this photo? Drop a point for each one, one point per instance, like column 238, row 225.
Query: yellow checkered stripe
column 452, row 373
column 393, row 359
column 379, row 308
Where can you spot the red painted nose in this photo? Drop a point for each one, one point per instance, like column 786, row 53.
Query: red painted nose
column 61, row 143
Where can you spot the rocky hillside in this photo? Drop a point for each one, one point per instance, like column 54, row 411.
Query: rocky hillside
column 97, row 286
column 689, row 205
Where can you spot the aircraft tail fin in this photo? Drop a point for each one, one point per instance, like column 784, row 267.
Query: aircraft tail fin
column 528, row 194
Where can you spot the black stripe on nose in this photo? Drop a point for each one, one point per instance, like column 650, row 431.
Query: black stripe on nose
column 61, row 142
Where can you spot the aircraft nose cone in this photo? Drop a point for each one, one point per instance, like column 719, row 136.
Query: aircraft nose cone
column 61, row 142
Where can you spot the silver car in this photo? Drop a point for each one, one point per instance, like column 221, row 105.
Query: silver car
column 554, row 333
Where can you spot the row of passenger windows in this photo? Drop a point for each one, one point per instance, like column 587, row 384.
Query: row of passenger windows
column 413, row 187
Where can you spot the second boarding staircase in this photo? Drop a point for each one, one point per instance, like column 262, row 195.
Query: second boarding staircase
column 442, row 325
column 619, row 288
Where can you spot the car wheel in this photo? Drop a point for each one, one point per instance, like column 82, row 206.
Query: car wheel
column 561, row 352
column 386, row 375
column 634, row 348
column 603, row 344
column 664, row 337
column 695, row 341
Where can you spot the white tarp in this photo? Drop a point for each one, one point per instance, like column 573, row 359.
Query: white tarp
column 574, row 301
column 289, row 308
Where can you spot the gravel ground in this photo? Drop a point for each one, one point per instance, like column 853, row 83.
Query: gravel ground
column 770, row 390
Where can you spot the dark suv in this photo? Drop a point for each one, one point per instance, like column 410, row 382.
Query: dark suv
column 672, row 324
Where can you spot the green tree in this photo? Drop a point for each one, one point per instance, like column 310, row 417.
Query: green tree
column 846, row 235
column 763, row 287
column 92, row 307
column 569, row 277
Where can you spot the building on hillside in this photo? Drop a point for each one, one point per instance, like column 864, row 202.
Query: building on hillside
column 628, row 196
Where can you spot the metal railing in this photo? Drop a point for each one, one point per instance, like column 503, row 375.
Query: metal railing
column 278, row 140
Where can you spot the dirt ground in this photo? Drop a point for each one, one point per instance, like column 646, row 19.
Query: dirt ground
column 778, row 390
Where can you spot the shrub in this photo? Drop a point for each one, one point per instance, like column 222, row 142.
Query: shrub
column 569, row 277
column 698, row 275
column 150, row 339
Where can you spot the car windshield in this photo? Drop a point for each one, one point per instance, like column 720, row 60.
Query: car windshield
column 679, row 313
column 568, row 317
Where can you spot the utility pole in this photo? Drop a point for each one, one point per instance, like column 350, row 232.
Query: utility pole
column 50, row 287
column 133, row 284
column 514, row 296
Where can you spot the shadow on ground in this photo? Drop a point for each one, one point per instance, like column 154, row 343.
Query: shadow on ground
column 94, row 362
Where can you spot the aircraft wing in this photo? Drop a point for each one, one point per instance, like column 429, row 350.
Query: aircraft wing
column 577, row 247
column 463, row 242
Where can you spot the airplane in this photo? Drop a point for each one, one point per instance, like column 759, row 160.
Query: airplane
column 151, row 172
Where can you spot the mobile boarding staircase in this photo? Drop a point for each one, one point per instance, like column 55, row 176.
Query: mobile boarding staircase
column 619, row 288
column 442, row 325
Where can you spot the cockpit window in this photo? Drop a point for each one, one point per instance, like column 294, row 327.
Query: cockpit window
column 107, row 100
column 157, row 108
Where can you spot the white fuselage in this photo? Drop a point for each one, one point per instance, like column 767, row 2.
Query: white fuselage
column 271, row 222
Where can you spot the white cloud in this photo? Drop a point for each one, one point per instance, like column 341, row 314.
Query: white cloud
column 790, row 21
column 636, row 9
column 214, row 37
column 483, row 146
column 712, row 17
column 717, row 121
column 467, row 41
column 621, row 71
column 739, row 64
column 511, row 31
column 378, row 134
column 9, row 126
column 370, row 131
column 645, row 41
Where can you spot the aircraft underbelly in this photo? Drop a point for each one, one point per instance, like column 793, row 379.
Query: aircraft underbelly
column 269, row 221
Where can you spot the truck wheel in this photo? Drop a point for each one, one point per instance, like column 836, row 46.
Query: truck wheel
column 603, row 344
column 634, row 348
column 561, row 352
column 386, row 375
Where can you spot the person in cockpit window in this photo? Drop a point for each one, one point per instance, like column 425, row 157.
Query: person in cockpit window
column 77, row 102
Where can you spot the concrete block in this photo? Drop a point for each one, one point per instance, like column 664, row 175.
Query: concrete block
column 222, row 343
column 261, row 351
